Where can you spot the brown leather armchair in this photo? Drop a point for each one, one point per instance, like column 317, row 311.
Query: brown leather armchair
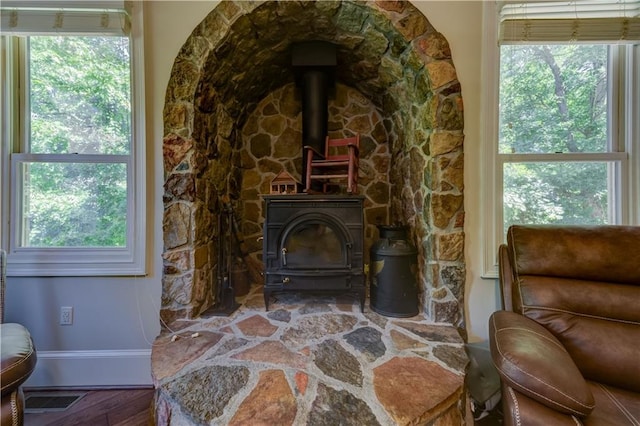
column 17, row 364
column 567, row 345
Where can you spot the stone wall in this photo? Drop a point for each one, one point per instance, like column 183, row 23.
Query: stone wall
column 272, row 142
column 230, row 118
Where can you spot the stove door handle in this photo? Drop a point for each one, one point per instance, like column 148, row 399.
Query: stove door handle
column 284, row 256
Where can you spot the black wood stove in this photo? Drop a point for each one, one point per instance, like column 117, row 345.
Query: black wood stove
column 314, row 243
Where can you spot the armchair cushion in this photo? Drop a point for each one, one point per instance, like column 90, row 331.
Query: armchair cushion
column 533, row 362
column 18, row 356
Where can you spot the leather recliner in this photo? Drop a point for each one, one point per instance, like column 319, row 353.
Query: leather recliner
column 567, row 345
column 18, row 360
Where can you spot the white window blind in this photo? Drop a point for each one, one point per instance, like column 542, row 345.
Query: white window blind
column 576, row 21
column 65, row 17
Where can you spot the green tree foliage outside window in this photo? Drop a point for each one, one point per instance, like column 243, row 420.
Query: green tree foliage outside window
column 553, row 100
column 80, row 104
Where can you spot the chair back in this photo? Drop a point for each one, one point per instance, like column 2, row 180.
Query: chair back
column 582, row 283
column 338, row 149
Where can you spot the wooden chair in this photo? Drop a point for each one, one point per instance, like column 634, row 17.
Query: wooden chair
column 339, row 161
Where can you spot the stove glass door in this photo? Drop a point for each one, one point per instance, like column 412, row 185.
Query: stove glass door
column 314, row 243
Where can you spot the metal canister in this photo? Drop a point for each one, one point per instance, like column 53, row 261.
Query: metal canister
column 393, row 267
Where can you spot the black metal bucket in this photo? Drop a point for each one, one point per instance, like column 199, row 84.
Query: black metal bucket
column 392, row 271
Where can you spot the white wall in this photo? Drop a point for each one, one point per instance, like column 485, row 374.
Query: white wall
column 114, row 317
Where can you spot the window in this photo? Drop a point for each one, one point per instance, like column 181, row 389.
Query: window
column 566, row 117
column 72, row 112
column 557, row 154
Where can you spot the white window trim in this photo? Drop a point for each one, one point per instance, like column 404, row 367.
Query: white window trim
column 129, row 261
column 627, row 173
column 491, row 192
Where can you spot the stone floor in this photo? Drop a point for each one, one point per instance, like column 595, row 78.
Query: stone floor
column 309, row 360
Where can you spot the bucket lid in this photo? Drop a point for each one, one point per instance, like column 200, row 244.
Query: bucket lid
column 393, row 232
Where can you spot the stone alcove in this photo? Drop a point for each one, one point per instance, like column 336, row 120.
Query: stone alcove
column 232, row 121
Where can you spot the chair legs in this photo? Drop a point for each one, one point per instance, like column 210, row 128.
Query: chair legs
column 309, row 169
column 352, row 187
column 352, row 178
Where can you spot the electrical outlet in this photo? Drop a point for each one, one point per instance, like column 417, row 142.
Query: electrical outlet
column 66, row 315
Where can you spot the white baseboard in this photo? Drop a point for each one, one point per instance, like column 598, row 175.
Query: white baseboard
column 117, row 368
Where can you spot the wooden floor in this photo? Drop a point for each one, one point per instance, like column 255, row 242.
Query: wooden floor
column 130, row 407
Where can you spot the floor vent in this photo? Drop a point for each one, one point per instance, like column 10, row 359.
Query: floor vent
column 44, row 402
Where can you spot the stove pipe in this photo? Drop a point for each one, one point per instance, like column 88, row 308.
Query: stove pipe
column 315, row 114
column 314, row 65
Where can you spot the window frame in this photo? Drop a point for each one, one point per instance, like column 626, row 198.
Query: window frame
column 70, row 261
column 624, row 114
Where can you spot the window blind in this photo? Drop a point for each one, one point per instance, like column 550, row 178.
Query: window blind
column 65, row 17
column 575, row 21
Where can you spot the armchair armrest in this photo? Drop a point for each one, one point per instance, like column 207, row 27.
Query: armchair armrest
column 518, row 409
column 532, row 361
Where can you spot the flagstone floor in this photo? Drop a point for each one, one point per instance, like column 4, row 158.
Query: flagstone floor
column 309, row 360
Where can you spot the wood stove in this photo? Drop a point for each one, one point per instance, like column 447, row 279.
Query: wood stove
column 314, row 243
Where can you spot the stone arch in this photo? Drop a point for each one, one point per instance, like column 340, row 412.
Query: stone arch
column 238, row 55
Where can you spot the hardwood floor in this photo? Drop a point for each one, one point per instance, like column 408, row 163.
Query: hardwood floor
column 132, row 407
column 112, row 407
